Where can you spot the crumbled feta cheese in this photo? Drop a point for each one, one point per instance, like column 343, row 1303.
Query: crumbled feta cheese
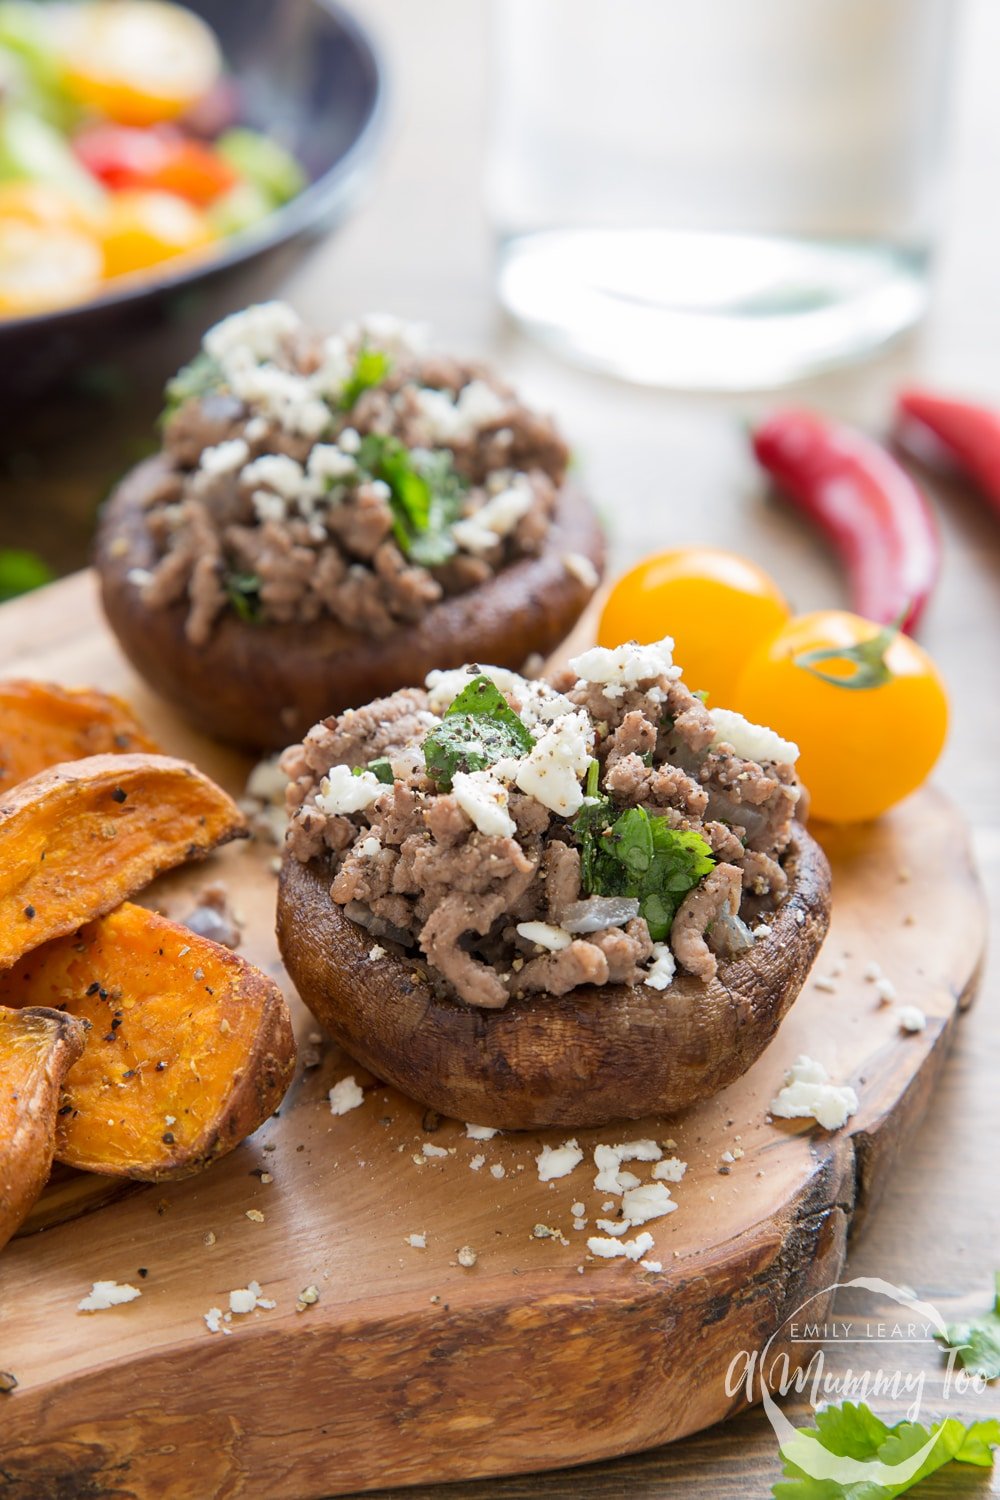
column 277, row 472
column 615, row 1227
column 608, row 1162
column 268, row 507
column 762, row 930
column 873, row 971
column 243, row 1300
column 267, row 781
column 349, row 441
column 608, row 1249
column 105, row 1294
column 626, row 665
column 429, row 1149
column 483, row 799
column 138, row 577
column 627, row 1180
column 281, row 396
column 340, row 791
column 576, row 1209
column 650, row 1200
column 418, row 1241
column 553, row 771
column 885, row 990
column 224, row 458
column 480, row 1132
column 579, row 1221
column 467, row 1257
column 450, row 421
column 258, row 331
column 375, row 952
column 651, row 1265
column 476, row 1162
column 329, row 462
column 444, row 687
column 213, row 1319
column 662, row 968
column 751, row 741
column 911, row 1018
column 671, row 1170
column 369, row 847
column 345, row 1095
column 827, row 983
column 582, row 569
column 809, row 1092
column 558, row 1161
column 727, row 1157
column 497, row 518
column 545, row 935
column 334, row 369
column 386, row 331
column 498, row 1171
column 644, row 1150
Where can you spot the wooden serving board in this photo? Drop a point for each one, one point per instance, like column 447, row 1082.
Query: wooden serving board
column 411, row 1367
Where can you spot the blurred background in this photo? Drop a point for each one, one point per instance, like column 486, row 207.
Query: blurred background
column 528, row 155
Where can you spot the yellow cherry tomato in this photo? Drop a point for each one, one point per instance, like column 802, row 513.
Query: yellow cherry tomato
column 716, row 605
column 144, row 229
column 49, row 252
column 136, row 61
column 867, row 708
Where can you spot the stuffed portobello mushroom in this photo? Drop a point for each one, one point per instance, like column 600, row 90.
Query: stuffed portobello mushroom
column 330, row 517
column 563, row 902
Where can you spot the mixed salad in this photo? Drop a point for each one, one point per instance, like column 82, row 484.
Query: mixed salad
column 120, row 148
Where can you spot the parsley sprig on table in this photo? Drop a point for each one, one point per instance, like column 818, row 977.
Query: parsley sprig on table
column 478, row 729
column 854, row 1431
column 425, row 493
column 977, row 1341
column 638, row 854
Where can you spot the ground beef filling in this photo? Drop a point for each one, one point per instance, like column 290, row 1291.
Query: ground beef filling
column 412, row 866
column 269, row 509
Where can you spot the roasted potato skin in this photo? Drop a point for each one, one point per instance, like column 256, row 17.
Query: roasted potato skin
column 264, row 686
column 37, row 1048
column 589, row 1057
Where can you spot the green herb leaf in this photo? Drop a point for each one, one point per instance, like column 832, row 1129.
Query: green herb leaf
column 853, row 1431
column 262, row 162
column 639, row 855
column 199, row 378
column 380, row 769
column 243, row 590
column 978, row 1341
column 371, row 366
column 425, row 495
column 20, row 572
column 478, row 729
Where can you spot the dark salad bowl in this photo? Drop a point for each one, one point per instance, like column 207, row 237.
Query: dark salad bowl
column 304, row 71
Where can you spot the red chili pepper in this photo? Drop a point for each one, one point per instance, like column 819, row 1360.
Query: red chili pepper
column 877, row 519
column 965, row 435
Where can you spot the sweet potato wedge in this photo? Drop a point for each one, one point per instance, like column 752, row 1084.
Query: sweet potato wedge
column 37, row 1048
column 77, row 839
column 43, row 724
column 190, row 1047
column 594, row 1055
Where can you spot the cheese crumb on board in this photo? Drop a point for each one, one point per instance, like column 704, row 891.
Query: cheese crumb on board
column 480, row 1132
column 345, row 1095
column 577, row 1209
column 105, row 1294
column 418, row 1241
column 651, row 1200
column 911, row 1018
column 808, row 1092
column 672, row 1169
column 638, row 1151
column 476, row 1162
column 429, row 1149
column 467, row 1256
column 651, row 1265
column 885, row 990
column 498, row 1171
column 558, row 1161
column 609, row 1249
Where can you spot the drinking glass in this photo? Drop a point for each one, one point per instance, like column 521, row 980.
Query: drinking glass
column 717, row 193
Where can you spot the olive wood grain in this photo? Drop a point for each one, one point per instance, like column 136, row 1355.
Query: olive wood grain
column 264, row 685
column 591, row 1056
column 410, row 1367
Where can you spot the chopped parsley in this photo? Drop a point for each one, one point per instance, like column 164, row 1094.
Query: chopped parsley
column 199, row 378
column 636, row 854
column 478, row 729
column 243, row 592
column 371, row 366
column 978, row 1342
column 380, row 769
column 854, row 1431
column 425, row 494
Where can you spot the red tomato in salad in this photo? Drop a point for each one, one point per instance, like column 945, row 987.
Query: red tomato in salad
column 161, row 160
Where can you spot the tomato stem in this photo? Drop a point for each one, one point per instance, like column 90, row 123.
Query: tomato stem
column 867, row 658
